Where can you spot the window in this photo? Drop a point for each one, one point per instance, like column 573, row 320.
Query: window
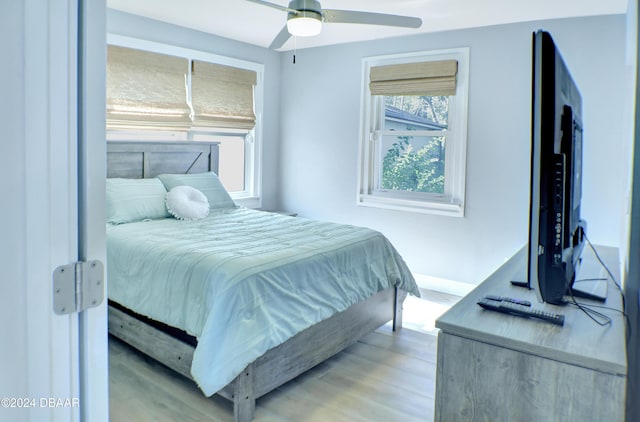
column 413, row 145
column 235, row 167
column 158, row 92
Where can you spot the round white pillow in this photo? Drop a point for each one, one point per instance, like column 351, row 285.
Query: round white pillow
column 187, row 203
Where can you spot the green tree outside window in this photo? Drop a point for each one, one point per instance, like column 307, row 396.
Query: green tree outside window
column 405, row 168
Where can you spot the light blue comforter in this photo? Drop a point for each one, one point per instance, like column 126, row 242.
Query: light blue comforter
column 245, row 281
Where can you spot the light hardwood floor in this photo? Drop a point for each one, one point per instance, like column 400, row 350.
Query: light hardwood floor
column 384, row 377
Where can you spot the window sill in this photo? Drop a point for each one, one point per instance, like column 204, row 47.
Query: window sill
column 282, row 212
column 247, row 201
column 423, row 207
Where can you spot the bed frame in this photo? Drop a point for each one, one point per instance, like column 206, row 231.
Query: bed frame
column 278, row 365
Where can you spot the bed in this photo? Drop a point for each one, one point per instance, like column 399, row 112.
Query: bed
column 240, row 301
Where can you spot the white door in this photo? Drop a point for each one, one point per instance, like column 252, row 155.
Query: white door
column 52, row 367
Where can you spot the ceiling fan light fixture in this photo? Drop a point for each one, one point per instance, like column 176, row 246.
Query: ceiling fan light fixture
column 304, row 24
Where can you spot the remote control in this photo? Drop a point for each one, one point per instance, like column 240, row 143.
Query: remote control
column 508, row 299
column 521, row 310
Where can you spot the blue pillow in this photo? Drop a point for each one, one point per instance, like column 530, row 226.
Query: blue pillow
column 131, row 200
column 207, row 183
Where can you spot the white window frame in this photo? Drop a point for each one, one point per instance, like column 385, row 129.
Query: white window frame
column 452, row 202
column 251, row 196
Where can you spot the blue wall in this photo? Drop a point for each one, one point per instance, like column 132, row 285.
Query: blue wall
column 320, row 124
column 312, row 125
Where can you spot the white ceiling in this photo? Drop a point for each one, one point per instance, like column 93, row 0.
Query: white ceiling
column 255, row 24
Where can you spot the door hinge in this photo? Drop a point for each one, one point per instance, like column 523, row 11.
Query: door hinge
column 78, row 286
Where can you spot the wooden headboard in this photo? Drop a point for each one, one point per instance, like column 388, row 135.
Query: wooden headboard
column 137, row 160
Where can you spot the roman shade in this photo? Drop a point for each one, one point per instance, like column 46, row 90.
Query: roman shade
column 222, row 96
column 423, row 78
column 146, row 90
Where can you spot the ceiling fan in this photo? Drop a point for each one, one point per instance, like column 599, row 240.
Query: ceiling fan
column 305, row 17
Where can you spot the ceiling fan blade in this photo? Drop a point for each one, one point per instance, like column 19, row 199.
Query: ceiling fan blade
column 280, row 39
column 275, row 6
column 352, row 16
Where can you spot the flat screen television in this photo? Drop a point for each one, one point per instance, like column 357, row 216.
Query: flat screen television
column 557, row 234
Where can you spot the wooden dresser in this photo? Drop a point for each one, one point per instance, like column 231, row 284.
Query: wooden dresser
column 498, row 367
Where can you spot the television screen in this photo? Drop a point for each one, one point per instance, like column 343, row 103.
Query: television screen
column 556, row 231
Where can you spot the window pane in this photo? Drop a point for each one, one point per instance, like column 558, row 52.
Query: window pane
column 416, row 112
column 231, row 165
column 412, row 163
column 231, row 169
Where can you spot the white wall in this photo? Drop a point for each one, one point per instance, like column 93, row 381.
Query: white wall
column 120, row 23
column 320, row 115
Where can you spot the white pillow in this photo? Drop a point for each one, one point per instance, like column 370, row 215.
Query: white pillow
column 187, row 203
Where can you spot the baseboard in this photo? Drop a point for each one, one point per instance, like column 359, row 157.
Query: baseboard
column 443, row 285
